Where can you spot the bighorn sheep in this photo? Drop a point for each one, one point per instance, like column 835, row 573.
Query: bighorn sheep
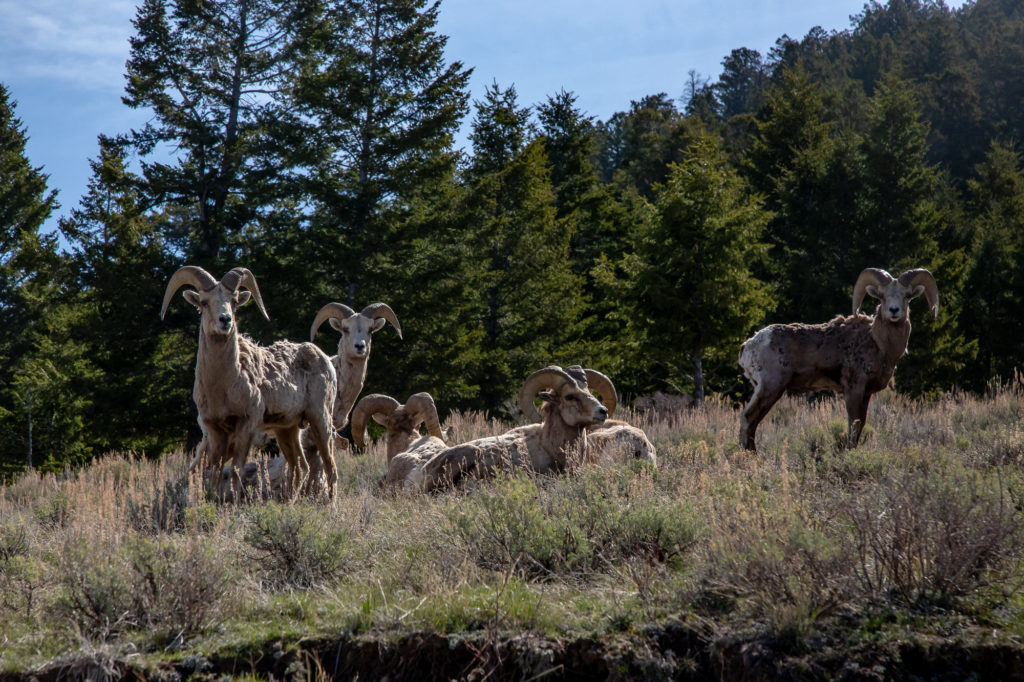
column 356, row 331
column 407, row 450
column 612, row 434
column 242, row 388
column 570, row 408
column 401, row 421
column 854, row 355
column 350, row 363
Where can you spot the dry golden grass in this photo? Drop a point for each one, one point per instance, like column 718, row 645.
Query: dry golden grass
column 127, row 556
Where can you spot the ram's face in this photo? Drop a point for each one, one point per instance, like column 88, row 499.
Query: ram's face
column 577, row 407
column 217, row 308
column 894, row 299
column 356, row 335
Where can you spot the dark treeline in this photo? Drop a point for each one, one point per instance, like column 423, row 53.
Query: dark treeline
column 312, row 141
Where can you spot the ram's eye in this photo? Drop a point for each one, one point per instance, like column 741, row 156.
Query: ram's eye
column 570, row 397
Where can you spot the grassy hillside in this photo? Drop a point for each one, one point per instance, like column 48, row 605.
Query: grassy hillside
column 799, row 561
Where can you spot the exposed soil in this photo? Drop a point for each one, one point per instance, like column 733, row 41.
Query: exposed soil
column 673, row 650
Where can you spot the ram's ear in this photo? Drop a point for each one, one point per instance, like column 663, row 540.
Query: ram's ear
column 242, row 297
column 548, row 396
column 336, row 325
column 192, row 297
column 916, row 291
column 378, row 324
column 873, row 291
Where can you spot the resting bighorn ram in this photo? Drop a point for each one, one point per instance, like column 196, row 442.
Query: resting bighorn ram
column 612, row 434
column 569, row 409
column 854, row 355
column 401, row 421
column 242, row 388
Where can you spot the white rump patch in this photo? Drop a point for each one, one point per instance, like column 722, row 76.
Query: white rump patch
column 755, row 349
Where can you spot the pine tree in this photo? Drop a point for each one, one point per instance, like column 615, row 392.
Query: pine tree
column 215, row 74
column 530, row 299
column 696, row 296
column 385, row 107
column 33, row 386
column 810, row 178
column 995, row 280
column 141, row 368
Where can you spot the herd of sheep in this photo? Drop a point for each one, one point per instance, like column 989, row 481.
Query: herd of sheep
column 296, row 394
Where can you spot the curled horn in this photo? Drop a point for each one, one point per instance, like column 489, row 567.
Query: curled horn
column 921, row 277
column 375, row 403
column 338, row 311
column 604, row 387
column 241, row 277
column 191, row 275
column 867, row 277
column 375, row 310
column 553, row 377
column 422, row 404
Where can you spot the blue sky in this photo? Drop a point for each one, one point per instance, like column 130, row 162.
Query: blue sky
column 63, row 60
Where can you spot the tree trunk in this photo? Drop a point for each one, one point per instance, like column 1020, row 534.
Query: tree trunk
column 698, row 377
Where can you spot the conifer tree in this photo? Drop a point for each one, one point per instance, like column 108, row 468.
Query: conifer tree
column 215, row 75
column 120, row 264
column 695, row 294
column 530, row 300
column 33, row 384
column 995, row 279
column 384, row 106
column 809, row 176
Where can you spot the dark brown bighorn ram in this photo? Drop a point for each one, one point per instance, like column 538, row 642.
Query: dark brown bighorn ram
column 854, row 355
column 242, row 388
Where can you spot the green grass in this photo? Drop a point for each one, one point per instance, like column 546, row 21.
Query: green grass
column 916, row 534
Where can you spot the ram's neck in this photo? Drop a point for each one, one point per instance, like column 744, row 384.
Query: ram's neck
column 351, row 376
column 559, row 439
column 217, row 365
column 891, row 337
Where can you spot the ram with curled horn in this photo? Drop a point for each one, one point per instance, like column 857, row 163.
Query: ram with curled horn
column 242, row 389
column 854, row 355
column 350, row 363
column 569, row 409
column 612, row 439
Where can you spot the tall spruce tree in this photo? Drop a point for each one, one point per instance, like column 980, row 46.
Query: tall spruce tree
column 695, row 292
column 33, row 381
column 809, row 175
column 120, row 265
column 384, row 107
column 995, row 279
column 215, row 74
column 530, row 301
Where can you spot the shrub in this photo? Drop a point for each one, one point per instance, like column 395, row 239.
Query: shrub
column 95, row 594
column 178, row 588
column 934, row 534
column 297, row 546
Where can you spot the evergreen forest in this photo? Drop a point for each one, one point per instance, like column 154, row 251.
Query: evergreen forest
column 314, row 144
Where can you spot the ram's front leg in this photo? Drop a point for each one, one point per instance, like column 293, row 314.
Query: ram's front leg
column 857, row 399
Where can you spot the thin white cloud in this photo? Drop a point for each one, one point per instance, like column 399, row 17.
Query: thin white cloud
column 82, row 44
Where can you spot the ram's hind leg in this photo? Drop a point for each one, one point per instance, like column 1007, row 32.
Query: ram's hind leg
column 323, row 437
column 296, row 469
column 764, row 398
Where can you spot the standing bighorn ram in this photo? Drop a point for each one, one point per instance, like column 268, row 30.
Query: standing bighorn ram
column 854, row 355
column 242, row 388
